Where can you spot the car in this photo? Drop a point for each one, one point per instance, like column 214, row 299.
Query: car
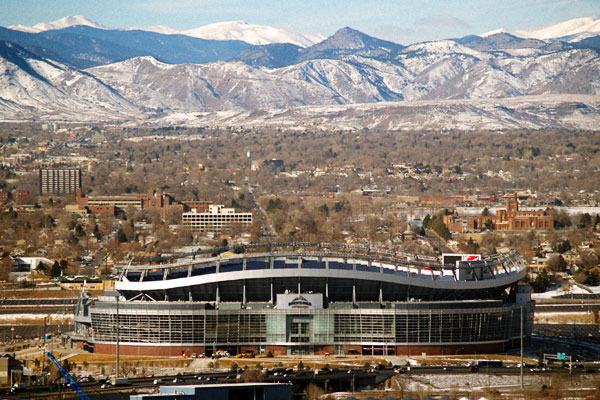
column 200, row 377
column 105, row 385
column 536, row 369
column 447, row 368
column 177, row 380
column 157, row 381
column 399, row 370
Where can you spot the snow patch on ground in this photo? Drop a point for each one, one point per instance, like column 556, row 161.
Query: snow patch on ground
column 54, row 318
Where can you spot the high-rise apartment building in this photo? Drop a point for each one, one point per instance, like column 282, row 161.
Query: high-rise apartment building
column 59, row 180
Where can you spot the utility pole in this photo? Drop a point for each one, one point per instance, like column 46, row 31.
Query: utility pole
column 117, row 324
column 522, row 385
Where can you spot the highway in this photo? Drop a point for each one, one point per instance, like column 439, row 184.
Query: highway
column 339, row 380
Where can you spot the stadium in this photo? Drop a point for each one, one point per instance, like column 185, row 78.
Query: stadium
column 309, row 298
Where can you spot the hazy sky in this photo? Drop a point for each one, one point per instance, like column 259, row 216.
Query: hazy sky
column 403, row 21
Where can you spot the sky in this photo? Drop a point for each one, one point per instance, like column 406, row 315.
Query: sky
column 401, row 21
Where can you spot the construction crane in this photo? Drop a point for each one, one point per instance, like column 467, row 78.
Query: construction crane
column 70, row 380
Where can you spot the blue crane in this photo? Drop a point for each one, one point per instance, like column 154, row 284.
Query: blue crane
column 70, row 380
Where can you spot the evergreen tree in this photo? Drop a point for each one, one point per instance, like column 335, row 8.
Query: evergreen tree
column 55, row 270
column 426, row 221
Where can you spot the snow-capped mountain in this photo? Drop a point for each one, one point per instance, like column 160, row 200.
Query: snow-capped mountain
column 230, row 30
column 271, row 80
column 425, row 71
column 58, row 24
column 31, row 87
column 253, row 34
column 572, row 30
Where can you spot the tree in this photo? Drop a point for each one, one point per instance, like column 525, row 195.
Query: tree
column 588, row 259
column 6, row 267
column 55, row 270
column 561, row 219
column 441, row 229
column 585, row 220
column 254, row 375
column 314, row 391
column 541, row 282
column 426, row 221
column 563, row 246
column 557, row 264
column 587, row 276
column 324, row 210
column 121, row 236
column 470, row 246
column 485, row 212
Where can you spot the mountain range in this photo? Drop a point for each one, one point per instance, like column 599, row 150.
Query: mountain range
column 89, row 72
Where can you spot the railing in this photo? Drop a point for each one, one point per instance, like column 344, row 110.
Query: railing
column 393, row 263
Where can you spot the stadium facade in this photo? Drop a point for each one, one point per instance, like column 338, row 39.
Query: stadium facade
column 291, row 300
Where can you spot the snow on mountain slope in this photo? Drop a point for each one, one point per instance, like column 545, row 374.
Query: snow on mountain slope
column 231, row 30
column 531, row 112
column 566, row 28
column 162, row 29
column 253, row 34
column 443, row 71
column 31, row 86
column 58, row 24
column 574, row 29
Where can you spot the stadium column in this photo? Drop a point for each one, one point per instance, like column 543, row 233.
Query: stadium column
column 272, row 300
column 244, row 295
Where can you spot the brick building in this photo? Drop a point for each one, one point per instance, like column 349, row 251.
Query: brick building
column 152, row 200
column 509, row 219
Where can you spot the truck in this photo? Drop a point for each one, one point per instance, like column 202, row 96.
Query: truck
column 489, row 363
column 246, row 354
column 121, row 382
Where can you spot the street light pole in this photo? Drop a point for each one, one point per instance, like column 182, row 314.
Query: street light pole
column 117, row 323
column 522, row 385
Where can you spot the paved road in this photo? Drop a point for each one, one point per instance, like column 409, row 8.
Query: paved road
column 438, row 243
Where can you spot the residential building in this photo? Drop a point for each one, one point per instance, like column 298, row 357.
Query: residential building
column 59, row 181
column 217, row 219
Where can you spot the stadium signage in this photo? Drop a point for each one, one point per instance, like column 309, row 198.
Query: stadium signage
column 310, row 301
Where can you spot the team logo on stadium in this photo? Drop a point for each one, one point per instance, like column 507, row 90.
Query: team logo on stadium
column 300, row 302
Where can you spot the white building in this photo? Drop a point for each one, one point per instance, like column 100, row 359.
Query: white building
column 217, row 219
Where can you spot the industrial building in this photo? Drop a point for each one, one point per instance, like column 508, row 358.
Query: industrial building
column 230, row 391
column 310, row 299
